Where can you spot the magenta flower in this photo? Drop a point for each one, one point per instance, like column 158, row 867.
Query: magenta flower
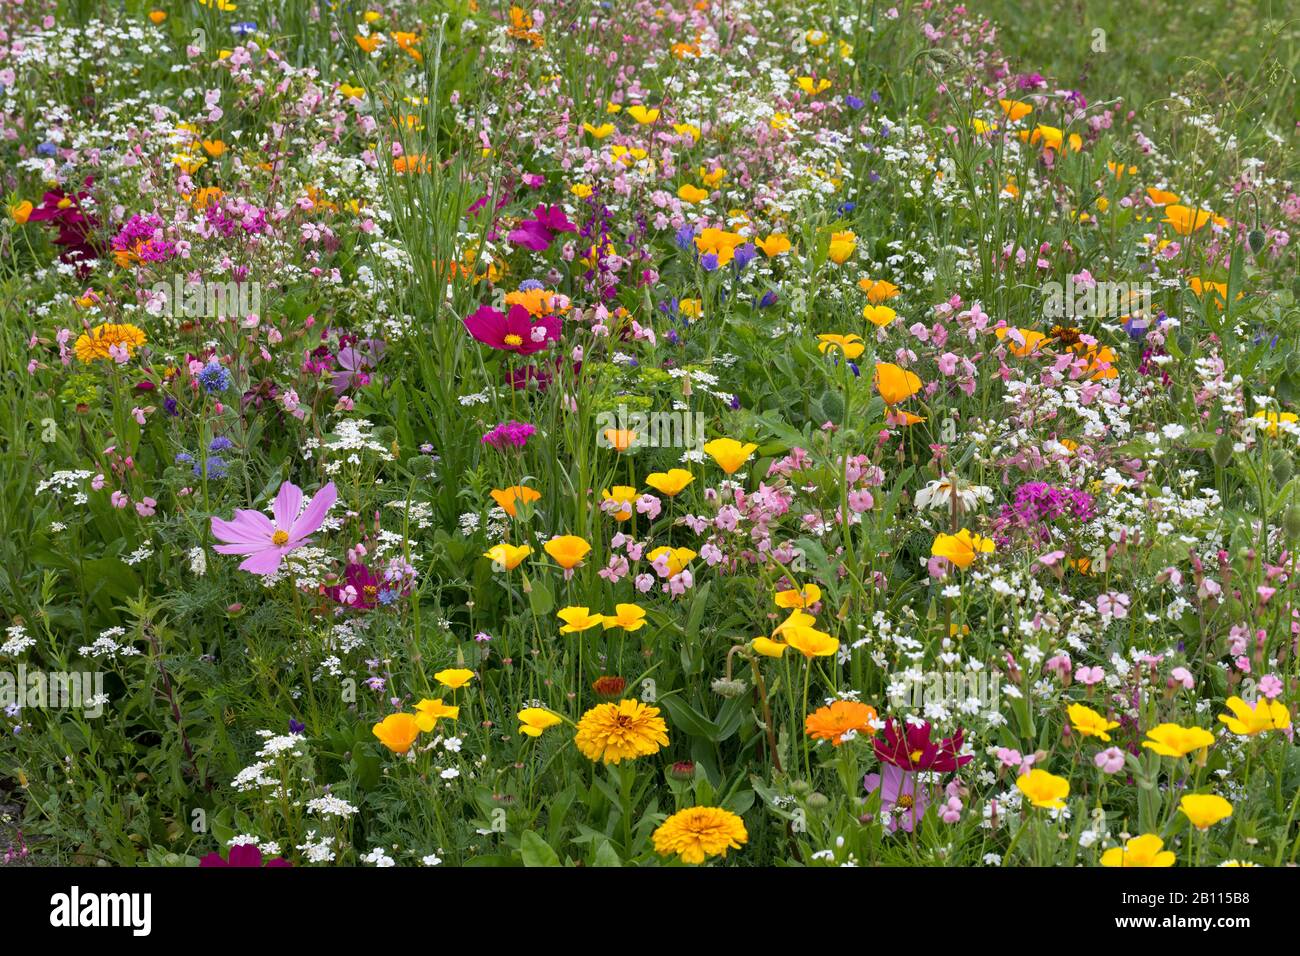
column 266, row 542
column 515, row 331
column 900, row 797
column 539, row 232
column 245, row 854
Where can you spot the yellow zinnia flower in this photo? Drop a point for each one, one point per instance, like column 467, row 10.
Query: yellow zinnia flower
column 99, row 342
column 622, row 731
column 697, row 833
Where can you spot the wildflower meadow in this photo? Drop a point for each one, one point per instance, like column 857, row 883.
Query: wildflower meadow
column 649, row 433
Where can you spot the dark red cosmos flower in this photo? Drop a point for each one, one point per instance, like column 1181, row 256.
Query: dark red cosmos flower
column 515, row 331
column 913, row 750
column 242, row 855
column 363, row 582
column 64, row 212
column 539, row 232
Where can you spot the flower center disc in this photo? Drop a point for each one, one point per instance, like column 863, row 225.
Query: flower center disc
column 279, row 538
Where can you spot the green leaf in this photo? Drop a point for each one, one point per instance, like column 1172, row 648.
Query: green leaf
column 606, row 855
column 536, row 851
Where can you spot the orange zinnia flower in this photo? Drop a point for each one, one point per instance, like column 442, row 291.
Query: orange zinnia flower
column 836, row 721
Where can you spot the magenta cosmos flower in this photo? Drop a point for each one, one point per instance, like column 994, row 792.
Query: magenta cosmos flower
column 539, row 232
column 515, row 331
column 266, row 542
column 245, row 854
column 914, row 750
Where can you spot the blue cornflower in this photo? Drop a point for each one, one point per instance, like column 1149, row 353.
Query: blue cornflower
column 853, row 102
column 220, row 443
column 530, row 285
column 214, row 378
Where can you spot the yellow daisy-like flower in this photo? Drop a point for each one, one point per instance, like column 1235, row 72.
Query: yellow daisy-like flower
column 698, row 833
column 1146, row 850
column 961, row 548
column 810, row 642
column 1205, row 809
column 97, row 343
column 1171, row 740
column 1247, row 721
column 1044, row 789
column 429, row 712
column 730, row 454
column 397, row 732
column 629, row 617
column 455, row 678
column 669, row 482
column 507, row 556
column 534, row 720
column 578, row 619
column 622, row 731
column 802, row 597
column 1088, row 722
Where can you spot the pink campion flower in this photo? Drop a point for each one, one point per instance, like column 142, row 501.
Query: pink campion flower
column 1270, row 686
column 1110, row 760
column 1088, row 676
column 1181, row 675
column 266, row 542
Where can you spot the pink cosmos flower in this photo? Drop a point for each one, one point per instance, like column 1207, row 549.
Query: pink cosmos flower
column 513, row 331
column 266, row 542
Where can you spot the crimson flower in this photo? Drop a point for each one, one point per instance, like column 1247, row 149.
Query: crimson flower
column 914, row 750
column 245, row 854
column 514, row 331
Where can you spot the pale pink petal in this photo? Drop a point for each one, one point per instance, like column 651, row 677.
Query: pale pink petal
column 242, row 547
column 287, row 505
column 248, row 527
column 264, row 562
column 314, row 514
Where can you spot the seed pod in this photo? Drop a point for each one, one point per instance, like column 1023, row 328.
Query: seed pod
column 1283, row 469
column 1291, row 521
column 1223, row 450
